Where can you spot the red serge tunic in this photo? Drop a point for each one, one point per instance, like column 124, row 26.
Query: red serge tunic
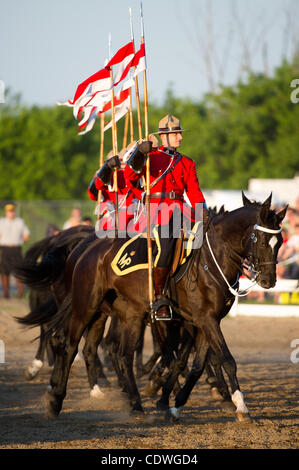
column 124, row 202
column 179, row 177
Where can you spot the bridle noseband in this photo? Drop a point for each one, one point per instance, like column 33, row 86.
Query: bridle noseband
column 252, row 258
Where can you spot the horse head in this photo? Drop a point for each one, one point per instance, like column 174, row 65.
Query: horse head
column 265, row 241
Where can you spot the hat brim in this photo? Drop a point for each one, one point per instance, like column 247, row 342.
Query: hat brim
column 171, row 132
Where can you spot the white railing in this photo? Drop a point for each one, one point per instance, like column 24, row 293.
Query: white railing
column 284, row 286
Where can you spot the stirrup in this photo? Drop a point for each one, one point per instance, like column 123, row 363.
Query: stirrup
column 157, row 305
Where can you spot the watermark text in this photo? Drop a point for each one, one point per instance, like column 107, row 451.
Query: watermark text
column 295, row 93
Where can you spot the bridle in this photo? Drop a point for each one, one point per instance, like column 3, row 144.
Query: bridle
column 253, row 259
column 253, row 262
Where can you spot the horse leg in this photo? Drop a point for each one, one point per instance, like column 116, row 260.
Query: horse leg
column 155, row 378
column 92, row 361
column 138, row 355
column 216, row 380
column 111, row 342
column 129, row 341
column 196, row 371
column 179, row 366
column 38, row 361
column 67, row 340
column 50, row 353
column 229, row 365
column 151, row 362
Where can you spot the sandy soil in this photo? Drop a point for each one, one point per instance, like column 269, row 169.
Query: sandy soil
column 267, row 376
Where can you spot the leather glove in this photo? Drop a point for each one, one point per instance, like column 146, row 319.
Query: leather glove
column 113, row 162
column 145, row 147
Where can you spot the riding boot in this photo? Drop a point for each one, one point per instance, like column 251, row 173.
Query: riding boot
column 5, row 285
column 162, row 311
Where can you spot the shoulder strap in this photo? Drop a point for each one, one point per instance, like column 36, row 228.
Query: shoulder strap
column 175, row 161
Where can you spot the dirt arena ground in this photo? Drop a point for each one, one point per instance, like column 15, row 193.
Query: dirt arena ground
column 267, row 376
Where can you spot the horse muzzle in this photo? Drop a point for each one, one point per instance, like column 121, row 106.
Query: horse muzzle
column 266, row 282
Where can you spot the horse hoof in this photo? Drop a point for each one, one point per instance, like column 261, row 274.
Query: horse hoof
column 29, row 375
column 51, row 413
column 52, row 406
column 33, row 369
column 162, row 406
column 227, row 405
column 243, row 417
column 96, row 392
column 215, row 394
column 173, row 414
column 137, row 414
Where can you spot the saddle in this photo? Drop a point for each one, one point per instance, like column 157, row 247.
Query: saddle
column 132, row 255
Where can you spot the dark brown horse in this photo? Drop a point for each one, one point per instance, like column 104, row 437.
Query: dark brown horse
column 43, row 306
column 203, row 298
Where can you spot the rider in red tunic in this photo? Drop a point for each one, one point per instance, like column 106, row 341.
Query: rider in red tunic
column 103, row 181
column 172, row 177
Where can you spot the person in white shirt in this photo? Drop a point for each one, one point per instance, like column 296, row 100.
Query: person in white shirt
column 74, row 220
column 13, row 234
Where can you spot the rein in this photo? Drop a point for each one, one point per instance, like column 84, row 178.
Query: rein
column 253, row 237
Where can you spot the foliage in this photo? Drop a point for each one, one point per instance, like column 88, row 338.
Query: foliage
column 244, row 131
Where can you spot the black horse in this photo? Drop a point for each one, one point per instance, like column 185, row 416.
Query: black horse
column 42, row 303
column 203, row 298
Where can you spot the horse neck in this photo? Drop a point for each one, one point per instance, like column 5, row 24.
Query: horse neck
column 233, row 227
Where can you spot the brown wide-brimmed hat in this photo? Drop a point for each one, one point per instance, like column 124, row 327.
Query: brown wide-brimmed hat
column 169, row 124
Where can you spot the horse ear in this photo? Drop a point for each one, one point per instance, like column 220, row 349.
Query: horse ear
column 267, row 202
column 281, row 215
column 246, row 201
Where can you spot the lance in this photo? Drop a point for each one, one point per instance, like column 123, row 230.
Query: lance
column 126, row 130
column 102, row 125
column 101, row 162
column 131, row 118
column 115, row 149
column 136, row 79
column 102, row 135
column 148, row 215
column 114, row 140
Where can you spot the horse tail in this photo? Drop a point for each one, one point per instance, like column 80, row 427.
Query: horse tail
column 45, row 273
column 43, row 313
column 61, row 317
column 37, row 249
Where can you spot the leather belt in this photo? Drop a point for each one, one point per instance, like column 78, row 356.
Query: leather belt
column 171, row 195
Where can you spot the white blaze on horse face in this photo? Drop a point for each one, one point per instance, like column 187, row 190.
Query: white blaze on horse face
column 273, row 241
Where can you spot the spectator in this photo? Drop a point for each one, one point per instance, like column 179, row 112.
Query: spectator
column 13, row 234
column 75, row 219
column 292, row 217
